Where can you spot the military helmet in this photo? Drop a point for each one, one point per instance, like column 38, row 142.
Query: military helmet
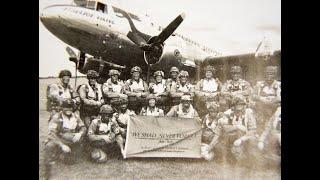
column 64, row 73
column 92, row 74
column 114, row 72
column 174, row 69
column 183, row 74
column 271, row 69
column 158, row 73
column 236, row 69
column 210, row 68
column 106, row 109
column 136, row 69
column 186, row 97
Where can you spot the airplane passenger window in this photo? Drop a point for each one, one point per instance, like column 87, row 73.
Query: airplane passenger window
column 102, row 8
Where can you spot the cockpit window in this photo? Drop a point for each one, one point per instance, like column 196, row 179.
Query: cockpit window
column 102, row 8
column 91, row 5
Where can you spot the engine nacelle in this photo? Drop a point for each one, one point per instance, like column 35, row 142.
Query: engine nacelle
column 171, row 56
column 154, row 54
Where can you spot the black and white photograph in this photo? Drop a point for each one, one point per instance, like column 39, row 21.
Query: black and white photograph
column 170, row 89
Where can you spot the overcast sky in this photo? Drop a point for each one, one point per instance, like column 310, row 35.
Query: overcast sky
column 228, row 26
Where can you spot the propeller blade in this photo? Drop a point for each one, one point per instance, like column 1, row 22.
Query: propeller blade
column 71, row 53
column 166, row 33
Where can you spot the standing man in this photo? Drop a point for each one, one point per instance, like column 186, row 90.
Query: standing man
column 184, row 109
column 151, row 109
column 267, row 97
column 171, row 81
column 236, row 85
column 57, row 93
column 206, row 89
column 66, row 132
column 182, row 87
column 209, row 86
column 113, row 88
column 174, row 72
column 91, row 98
column 159, row 89
column 136, row 89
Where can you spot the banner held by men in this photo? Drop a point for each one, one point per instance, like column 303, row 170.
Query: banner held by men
column 163, row 137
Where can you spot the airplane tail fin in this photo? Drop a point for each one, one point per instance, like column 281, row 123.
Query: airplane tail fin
column 264, row 48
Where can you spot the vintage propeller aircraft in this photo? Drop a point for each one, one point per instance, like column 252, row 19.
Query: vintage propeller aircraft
column 117, row 38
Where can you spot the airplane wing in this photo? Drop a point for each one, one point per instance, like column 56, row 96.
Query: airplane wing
column 252, row 65
column 239, row 57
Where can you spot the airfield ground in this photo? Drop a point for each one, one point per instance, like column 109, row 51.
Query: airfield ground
column 146, row 168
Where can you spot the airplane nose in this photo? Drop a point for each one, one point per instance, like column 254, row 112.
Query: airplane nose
column 42, row 17
column 49, row 17
column 49, row 13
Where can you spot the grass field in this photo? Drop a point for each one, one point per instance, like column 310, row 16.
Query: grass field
column 146, row 168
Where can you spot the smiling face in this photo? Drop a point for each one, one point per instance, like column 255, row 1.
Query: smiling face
column 114, row 78
column 65, row 80
column 158, row 79
column 152, row 102
column 92, row 81
column 123, row 107
column 135, row 76
column 183, row 79
column 185, row 104
column 174, row 74
column 270, row 76
column 236, row 76
column 209, row 74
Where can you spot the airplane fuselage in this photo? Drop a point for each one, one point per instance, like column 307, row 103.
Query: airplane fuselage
column 105, row 35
